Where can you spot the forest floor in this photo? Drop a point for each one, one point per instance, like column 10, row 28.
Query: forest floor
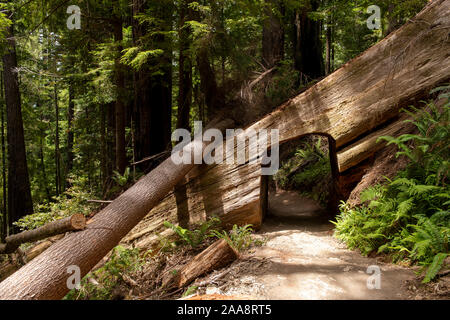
column 301, row 260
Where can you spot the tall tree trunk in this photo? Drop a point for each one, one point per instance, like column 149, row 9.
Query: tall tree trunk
column 70, row 133
column 41, row 157
column 19, row 191
column 328, row 49
column 57, row 153
column 121, row 160
column 185, row 68
column 273, row 34
column 307, row 44
column 4, row 226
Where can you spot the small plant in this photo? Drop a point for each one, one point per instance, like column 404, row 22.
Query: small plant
column 99, row 285
column 195, row 237
column 239, row 238
column 120, row 179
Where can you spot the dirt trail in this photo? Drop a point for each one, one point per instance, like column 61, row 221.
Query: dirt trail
column 302, row 260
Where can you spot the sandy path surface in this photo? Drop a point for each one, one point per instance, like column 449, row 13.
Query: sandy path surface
column 302, row 260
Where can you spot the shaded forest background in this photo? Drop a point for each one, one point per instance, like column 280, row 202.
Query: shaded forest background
column 86, row 112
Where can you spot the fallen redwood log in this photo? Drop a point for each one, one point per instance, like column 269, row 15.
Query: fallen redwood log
column 73, row 223
column 46, row 276
column 362, row 96
column 216, row 256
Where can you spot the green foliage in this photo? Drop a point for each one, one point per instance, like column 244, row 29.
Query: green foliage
column 239, row 238
column 120, row 179
column 310, row 164
column 74, row 200
column 195, row 237
column 99, row 285
column 409, row 216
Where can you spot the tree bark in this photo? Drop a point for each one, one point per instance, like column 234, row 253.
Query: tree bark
column 19, row 192
column 216, row 256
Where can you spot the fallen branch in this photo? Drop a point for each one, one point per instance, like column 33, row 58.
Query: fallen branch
column 99, row 201
column 72, row 223
column 216, row 256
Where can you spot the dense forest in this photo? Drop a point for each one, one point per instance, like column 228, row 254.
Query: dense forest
column 91, row 91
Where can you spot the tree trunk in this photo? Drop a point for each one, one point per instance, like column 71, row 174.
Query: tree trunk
column 19, row 192
column 46, row 276
column 70, row 133
column 328, row 48
column 185, row 68
column 121, row 160
column 307, row 44
column 273, row 34
column 57, row 153
column 4, row 226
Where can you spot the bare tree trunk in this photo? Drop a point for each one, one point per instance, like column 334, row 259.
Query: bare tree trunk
column 70, row 133
column 19, row 191
column 121, row 160
column 307, row 44
column 273, row 34
column 185, row 68
column 4, row 226
column 57, row 153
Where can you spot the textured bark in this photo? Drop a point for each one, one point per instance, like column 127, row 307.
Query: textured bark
column 19, row 192
column 45, row 277
column 216, row 256
column 7, row 268
column 72, row 223
column 368, row 146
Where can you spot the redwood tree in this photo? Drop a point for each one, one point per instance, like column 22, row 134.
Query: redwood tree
column 19, row 193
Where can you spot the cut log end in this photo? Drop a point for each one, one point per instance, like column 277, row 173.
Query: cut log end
column 78, row 221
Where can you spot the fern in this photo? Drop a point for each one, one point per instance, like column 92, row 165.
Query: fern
column 435, row 267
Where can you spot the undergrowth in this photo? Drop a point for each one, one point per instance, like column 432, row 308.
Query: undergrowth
column 408, row 217
column 100, row 284
column 307, row 171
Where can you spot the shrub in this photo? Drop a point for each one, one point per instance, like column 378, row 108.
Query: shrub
column 195, row 237
column 409, row 216
column 100, row 284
